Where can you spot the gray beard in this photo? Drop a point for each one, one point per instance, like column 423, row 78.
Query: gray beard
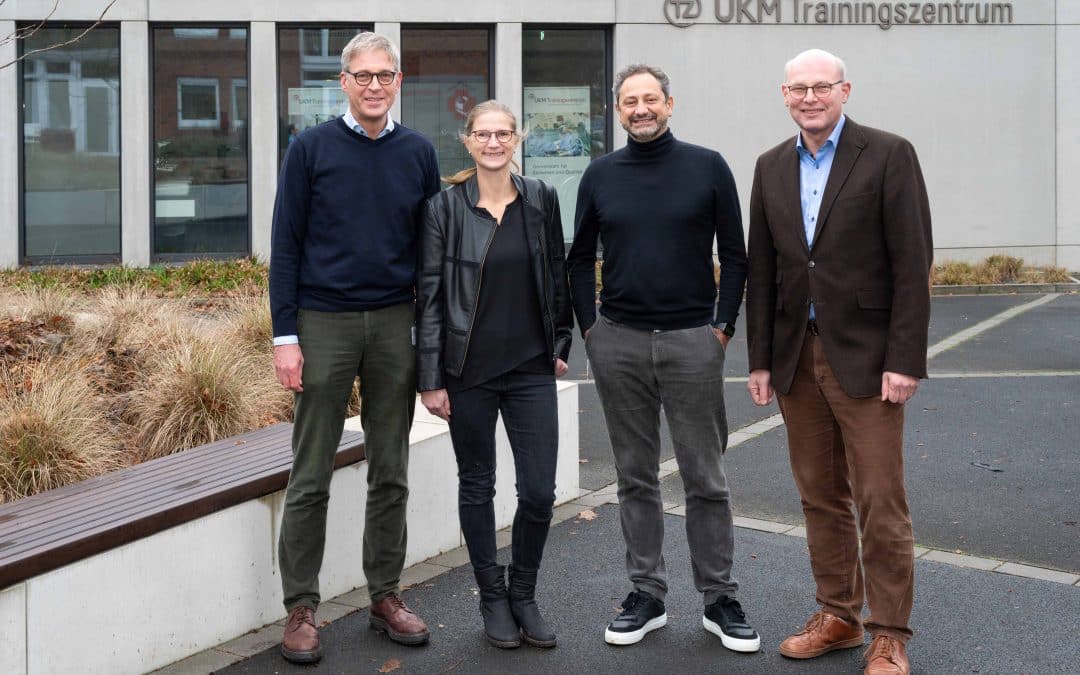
column 645, row 138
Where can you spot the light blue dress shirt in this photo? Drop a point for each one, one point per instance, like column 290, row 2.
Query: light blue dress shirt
column 350, row 122
column 813, row 175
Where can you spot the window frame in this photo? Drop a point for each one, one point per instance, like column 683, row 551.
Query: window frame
column 609, row 76
column 282, row 113
column 67, row 259
column 155, row 257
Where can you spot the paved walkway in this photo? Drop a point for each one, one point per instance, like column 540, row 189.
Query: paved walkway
column 992, row 475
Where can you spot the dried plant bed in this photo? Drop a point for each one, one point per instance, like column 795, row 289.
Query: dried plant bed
column 92, row 381
column 997, row 269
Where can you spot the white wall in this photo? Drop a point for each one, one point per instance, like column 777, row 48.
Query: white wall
column 989, row 108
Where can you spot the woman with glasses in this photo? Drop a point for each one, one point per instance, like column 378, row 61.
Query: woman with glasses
column 494, row 322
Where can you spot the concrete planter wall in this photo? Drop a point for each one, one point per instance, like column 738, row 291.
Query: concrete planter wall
column 155, row 601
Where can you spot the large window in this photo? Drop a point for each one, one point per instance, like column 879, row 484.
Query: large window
column 71, row 144
column 567, row 84
column 447, row 72
column 200, row 128
column 309, row 90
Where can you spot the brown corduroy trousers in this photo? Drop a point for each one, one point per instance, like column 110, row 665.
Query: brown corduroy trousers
column 847, row 459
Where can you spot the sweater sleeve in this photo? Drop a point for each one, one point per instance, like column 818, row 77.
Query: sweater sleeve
column 730, row 245
column 290, row 222
column 581, row 261
column 432, row 183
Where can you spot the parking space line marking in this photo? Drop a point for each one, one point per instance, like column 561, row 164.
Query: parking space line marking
column 1011, row 373
column 983, row 326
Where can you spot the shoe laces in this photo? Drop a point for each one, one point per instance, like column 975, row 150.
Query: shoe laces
column 301, row 616
column 395, row 600
column 883, row 647
column 816, row 620
column 631, row 601
column 734, row 609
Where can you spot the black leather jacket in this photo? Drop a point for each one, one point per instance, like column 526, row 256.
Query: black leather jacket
column 453, row 244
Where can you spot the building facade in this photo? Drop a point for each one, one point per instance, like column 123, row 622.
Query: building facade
column 157, row 136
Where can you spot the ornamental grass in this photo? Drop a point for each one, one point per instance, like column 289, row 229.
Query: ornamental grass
column 199, row 391
column 53, row 428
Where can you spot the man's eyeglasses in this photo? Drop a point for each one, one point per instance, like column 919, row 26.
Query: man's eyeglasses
column 502, row 135
column 821, row 89
column 363, row 77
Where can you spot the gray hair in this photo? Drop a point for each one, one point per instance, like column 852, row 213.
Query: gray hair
column 638, row 69
column 818, row 53
column 366, row 41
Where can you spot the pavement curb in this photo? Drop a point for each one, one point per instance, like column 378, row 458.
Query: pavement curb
column 1005, row 289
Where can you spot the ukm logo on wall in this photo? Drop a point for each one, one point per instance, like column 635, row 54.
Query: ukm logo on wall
column 885, row 15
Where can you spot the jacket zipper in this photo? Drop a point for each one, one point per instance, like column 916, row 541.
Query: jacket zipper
column 547, row 300
column 479, row 282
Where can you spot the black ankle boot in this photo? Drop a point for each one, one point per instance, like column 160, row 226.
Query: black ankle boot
column 523, row 605
column 499, row 625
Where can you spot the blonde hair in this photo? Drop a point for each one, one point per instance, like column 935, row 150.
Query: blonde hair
column 367, row 41
column 478, row 110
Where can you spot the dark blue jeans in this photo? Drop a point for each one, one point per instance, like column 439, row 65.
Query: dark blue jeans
column 529, row 410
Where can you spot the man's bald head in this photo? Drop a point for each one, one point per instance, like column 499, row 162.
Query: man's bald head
column 811, row 56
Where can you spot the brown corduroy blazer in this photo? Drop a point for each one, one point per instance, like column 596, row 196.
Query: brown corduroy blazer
column 867, row 268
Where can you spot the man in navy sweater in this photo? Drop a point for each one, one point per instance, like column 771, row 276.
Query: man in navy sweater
column 657, row 205
column 342, row 272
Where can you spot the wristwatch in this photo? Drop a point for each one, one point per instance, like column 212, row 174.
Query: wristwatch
column 728, row 330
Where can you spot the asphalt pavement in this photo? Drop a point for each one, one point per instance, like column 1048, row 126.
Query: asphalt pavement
column 992, row 469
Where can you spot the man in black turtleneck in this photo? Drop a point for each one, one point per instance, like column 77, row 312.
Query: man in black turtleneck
column 656, row 206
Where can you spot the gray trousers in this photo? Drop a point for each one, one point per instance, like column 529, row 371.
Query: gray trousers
column 636, row 372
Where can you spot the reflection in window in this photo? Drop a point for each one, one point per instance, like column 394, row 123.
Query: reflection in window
column 447, row 72
column 71, row 143
column 309, row 90
column 566, row 81
column 200, row 141
column 198, row 102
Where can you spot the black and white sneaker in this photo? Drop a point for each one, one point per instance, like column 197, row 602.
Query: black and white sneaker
column 641, row 613
column 725, row 619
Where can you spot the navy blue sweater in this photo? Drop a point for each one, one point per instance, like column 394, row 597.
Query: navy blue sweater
column 345, row 221
column 656, row 208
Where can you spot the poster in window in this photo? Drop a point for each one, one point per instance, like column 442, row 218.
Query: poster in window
column 558, row 142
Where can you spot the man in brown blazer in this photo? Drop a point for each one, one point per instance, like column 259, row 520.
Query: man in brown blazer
column 838, row 308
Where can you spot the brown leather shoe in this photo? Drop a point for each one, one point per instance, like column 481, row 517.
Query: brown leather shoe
column 391, row 616
column 823, row 633
column 886, row 656
column 301, row 641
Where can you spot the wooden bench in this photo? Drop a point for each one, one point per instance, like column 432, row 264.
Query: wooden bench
column 47, row 531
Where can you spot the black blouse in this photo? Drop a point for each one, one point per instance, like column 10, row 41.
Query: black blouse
column 508, row 332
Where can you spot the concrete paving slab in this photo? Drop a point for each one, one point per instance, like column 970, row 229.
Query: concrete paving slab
column 761, row 525
column 332, row 611
column 1044, row 338
column 421, row 573
column 961, row 560
column 199, row 664
column 583, row 581
column 358, row 598
column 1038, row 573
column 253, row 642
column 454, row 558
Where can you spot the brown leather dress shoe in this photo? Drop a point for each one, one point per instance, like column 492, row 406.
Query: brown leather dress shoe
column 391, row 616
column 823, row 633
column 886, row 656
column 301, row 641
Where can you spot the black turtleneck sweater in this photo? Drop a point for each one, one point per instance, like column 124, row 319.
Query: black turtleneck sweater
column 655, row 208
